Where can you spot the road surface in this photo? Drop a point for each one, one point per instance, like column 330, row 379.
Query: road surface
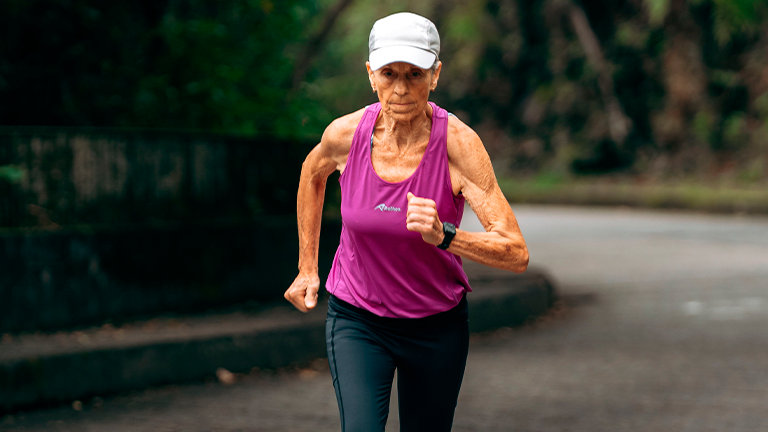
column 663, row 327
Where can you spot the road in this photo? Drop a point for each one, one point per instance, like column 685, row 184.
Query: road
column 662, row 327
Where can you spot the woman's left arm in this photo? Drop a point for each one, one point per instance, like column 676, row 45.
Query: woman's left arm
column 502, row 245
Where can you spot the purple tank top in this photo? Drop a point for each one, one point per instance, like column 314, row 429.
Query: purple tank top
column 380, row 266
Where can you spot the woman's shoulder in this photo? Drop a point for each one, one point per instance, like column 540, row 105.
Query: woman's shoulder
column 468, row 157
column 341, row 131
column 461, row 137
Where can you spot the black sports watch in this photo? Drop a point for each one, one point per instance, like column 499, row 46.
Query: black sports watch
column 449, row 230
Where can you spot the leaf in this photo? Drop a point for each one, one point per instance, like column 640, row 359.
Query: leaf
column 657, row 11
column 12, row 173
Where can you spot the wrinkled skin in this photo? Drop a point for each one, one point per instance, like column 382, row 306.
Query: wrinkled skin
column 400, row 137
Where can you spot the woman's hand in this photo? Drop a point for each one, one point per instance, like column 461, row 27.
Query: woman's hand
column 303, row 291
column 422, row 218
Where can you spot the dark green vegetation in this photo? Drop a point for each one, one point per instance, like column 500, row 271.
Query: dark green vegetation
column 207, row 65
column 663, row 88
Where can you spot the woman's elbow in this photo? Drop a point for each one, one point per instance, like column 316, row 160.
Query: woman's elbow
column 518, row 259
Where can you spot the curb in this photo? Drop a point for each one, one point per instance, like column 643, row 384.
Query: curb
column 510, row 301
column 46, row 372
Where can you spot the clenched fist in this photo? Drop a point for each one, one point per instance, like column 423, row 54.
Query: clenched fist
column 422, row 218
column 303, row 291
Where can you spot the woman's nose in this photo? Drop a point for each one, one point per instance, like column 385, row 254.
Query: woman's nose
column 401, row 86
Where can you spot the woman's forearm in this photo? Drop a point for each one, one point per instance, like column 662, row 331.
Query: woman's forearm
column 309, row 209
column 491, row 249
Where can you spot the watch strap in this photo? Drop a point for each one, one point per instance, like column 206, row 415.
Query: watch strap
column 449, row 231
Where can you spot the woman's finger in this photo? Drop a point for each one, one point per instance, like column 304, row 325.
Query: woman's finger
column 298, row 302
column 418, row 227
column 414, row 200
column 310, row 299
column 420, row 218
column 421, row 202
column 297, row 293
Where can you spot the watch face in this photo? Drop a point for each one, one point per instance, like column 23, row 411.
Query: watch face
column 449, row 228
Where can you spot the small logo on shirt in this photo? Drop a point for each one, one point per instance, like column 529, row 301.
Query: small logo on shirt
column 383, row 207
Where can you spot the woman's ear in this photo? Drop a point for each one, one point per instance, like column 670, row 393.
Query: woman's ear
column 370, row 76
column 436, row 76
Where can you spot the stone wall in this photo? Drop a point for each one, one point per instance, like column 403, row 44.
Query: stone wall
column 53, row 280
column 111, row 225
column 106, row 177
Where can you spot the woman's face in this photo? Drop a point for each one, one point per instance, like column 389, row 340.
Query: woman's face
column 403, row 88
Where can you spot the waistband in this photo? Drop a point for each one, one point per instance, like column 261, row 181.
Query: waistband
column 456, row 315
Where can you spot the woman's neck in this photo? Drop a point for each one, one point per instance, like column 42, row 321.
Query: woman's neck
column 405, row 133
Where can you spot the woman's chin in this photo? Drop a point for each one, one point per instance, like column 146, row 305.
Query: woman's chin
column 402, row 112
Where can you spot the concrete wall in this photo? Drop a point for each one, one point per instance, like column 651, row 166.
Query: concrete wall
column 52, row 280
column 109, row 224
column 104, row 177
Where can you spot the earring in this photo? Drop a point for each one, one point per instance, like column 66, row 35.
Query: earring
column 374, row 89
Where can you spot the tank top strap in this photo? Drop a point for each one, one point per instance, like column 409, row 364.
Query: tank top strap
column 360, row 141
column 438, row 150
column 438, row 139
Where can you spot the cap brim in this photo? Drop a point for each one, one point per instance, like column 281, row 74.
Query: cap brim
column 415, row 56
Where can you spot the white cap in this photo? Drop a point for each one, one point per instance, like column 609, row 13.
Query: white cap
column 405, row 37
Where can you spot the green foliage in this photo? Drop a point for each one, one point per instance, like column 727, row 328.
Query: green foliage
column 734, row 131
column 515, row 69
column 754, row 171
column 200, row 64
column 629, row 35
column 703, row 127
column 12, row 173
column 657, row 11
column 762, row 105
column 732, row 17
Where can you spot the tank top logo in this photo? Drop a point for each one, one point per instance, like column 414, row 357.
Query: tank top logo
column 383, row 207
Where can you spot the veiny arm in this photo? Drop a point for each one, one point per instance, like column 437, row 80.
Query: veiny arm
column 329, row 155
column 502, row 245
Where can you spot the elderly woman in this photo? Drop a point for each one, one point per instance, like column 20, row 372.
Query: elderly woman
column 397, row 287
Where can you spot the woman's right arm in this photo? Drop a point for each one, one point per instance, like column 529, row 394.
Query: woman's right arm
column 329, row 155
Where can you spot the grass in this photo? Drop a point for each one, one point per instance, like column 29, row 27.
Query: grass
column 751, row 199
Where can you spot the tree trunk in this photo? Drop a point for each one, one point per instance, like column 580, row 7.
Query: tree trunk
column 618, row 123
column 685, row 77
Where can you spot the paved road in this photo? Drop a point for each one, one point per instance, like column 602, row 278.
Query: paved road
column 663, row 328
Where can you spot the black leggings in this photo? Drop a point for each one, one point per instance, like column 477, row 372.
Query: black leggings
column 429, row 354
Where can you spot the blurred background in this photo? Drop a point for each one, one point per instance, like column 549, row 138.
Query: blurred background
column 665, row 93
column 656, row 89
column 149, row 159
